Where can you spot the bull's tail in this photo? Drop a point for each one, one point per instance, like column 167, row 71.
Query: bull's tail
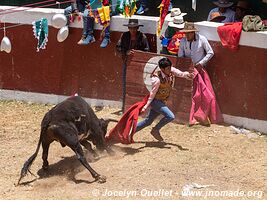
column 29, row 162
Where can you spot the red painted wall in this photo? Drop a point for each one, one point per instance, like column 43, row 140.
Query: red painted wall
column 240, row 80
column 62, row 68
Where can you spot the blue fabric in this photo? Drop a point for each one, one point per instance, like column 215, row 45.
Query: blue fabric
column 157, row 107
column 104, row 42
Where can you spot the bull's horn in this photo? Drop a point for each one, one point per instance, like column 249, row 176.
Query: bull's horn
column 111, row 120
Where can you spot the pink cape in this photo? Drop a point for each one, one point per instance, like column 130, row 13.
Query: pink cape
column 124, row 130
column 204, row 106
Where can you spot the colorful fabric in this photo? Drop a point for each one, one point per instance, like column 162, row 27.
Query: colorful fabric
column 102, row 15
column 204, row 105
column 95, row 4
column 40, row 31
column 163, row 11
column 126, row 7
column 174, row 43
column 124, row 130
column 73, row 17
column 230, row 34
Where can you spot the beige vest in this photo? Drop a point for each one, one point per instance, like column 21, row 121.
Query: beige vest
column 165, row 86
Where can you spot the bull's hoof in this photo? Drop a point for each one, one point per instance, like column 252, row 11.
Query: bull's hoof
column 101, row 179
column 110, row 151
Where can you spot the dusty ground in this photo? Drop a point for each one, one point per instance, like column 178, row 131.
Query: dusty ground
column 233, row 165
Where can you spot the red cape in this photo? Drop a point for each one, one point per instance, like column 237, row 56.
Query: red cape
column 230, row 34
column 124, row 130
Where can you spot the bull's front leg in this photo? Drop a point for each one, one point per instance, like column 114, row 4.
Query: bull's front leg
column 79, row 152
column 88, row 146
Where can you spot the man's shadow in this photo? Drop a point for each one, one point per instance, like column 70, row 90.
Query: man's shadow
column 151, row 144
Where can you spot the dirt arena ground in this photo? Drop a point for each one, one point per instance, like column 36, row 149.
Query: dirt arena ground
column 193, row 163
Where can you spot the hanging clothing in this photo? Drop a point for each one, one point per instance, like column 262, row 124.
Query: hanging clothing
column 230, row 34
column 40, row 32
column 124, row 130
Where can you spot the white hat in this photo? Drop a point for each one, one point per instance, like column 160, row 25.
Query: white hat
column 59, row 20
column 174, row 12
column 177, row 22
column 5, row 45
column 63, row 34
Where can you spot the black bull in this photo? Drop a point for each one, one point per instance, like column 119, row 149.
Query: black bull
column 72, row 123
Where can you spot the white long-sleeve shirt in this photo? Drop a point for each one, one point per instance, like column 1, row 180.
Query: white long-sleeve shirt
column 156, row 83
column 199, row 50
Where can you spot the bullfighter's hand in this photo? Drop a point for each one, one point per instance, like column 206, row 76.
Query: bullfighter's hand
column 198, row 66
column 130, row 52
column 143, row 110
column 190, row 76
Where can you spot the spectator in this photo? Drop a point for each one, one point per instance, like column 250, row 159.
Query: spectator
column 132, row 39
column 105, row 36
column 216, row 17
column 171, row 34
column 162, row 84
column 241, row 9
column 79, row 6
column 223, row 7
column 204, row 108
column 143, row 7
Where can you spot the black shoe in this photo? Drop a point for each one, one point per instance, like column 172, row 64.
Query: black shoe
column 156, row 134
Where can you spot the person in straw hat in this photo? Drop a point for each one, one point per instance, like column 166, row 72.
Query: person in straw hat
column 217, row 17
column 204, row 107
column 132, row 39
column 242, row 9
column 224, row 8
column 170, row 34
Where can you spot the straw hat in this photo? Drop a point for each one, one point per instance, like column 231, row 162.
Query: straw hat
column 59, row 21
column 63, row 34
column 178, row 22
column 189, row 27
column 216, row 17
column 174, row 12
column 5, row 45
column 223, row 3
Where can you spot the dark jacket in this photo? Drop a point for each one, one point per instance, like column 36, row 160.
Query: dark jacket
column 124, row 44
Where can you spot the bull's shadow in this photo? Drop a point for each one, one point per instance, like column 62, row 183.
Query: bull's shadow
column 68, row 167
column 151, row 144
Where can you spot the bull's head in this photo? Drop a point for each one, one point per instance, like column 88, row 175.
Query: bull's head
column 99, row 139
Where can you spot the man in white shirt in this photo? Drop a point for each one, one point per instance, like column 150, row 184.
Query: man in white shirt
column 162, row 83
column 205, row 109
column 195, row 46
